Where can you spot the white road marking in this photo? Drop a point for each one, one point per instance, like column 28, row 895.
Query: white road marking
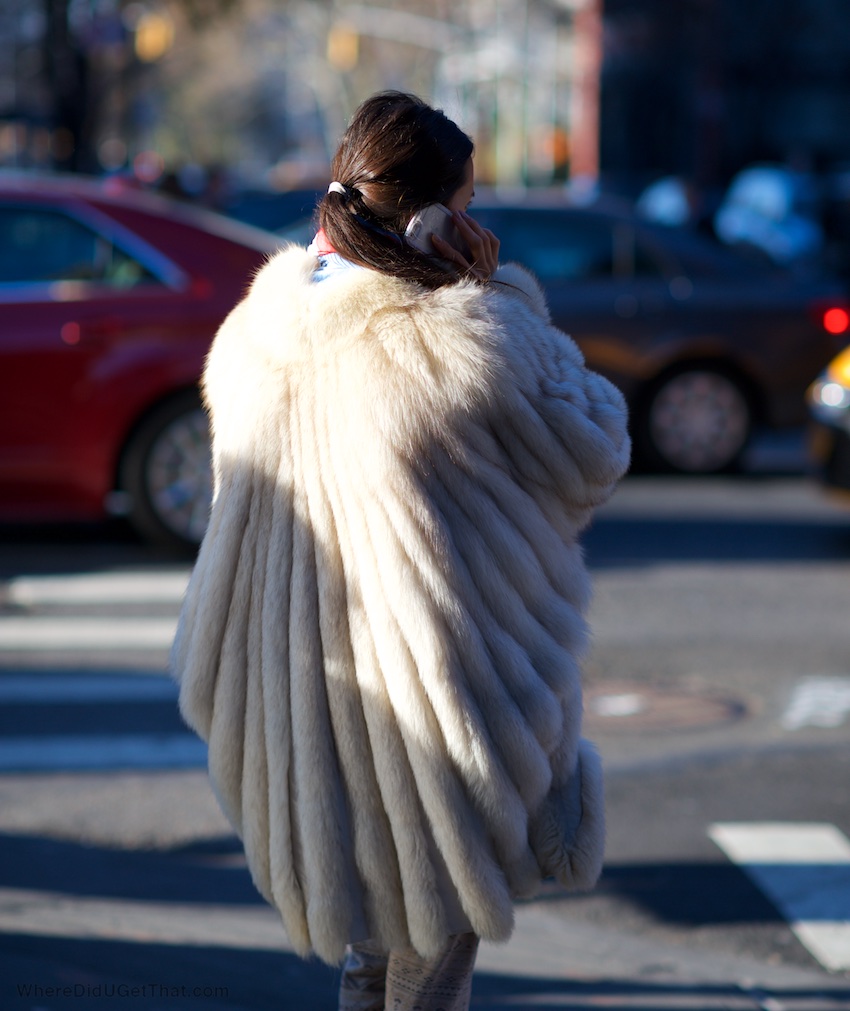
column 56, row 915
column 74, row 633
column 102, row 751
column 818, row 702
column 48, row 689
column 38, row 634
column 804, row 869
column 138, row 587
column 89, row 751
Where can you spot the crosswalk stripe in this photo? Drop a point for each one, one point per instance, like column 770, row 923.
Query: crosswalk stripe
column 38, row 633
column 135, row 587
column 53, row 914
column 804, row 869
column 101, row 751
column 90, row 751
column 818, row 702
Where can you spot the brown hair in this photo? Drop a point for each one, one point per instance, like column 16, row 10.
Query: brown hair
column 397, row 156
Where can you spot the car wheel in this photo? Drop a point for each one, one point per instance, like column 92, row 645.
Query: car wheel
column 695, row 421
column 166, row 473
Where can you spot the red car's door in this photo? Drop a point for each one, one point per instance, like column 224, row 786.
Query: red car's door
column 76, row 312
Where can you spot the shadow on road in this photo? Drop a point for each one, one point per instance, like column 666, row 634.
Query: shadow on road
column 616, row 541
column 619, row 542
column 209, row 873
column 505, row 993
column 682, row 894
column 146, row 976
column 35, row 549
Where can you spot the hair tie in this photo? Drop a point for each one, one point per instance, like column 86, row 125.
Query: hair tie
column 336, row 187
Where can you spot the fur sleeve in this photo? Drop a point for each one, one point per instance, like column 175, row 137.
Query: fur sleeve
column 564, row 427
column 568, row 831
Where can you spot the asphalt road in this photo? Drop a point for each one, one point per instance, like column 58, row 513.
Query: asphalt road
column 718, row 690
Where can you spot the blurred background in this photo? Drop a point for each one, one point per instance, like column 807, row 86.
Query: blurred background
column 211, row 96
column 677, row 174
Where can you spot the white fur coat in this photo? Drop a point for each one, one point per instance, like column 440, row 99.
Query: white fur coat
column 382, row 635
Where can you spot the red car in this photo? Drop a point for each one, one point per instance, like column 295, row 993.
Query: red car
column 108, row 302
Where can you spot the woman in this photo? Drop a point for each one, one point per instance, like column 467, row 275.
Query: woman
column 381, row 640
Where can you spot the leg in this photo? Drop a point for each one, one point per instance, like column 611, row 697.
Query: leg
column 364, row 978
column 443, row 983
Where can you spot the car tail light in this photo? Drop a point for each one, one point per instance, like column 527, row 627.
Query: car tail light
column 836, row 320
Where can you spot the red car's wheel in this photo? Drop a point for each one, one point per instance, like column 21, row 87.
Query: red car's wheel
column 166, row 473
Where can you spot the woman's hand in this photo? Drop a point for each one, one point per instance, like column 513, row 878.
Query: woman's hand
column 482, row 244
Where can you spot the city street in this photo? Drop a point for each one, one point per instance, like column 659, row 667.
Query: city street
column 718, row 690
column 398, row 438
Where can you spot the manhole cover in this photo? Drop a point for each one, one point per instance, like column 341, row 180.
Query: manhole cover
column 630, row 707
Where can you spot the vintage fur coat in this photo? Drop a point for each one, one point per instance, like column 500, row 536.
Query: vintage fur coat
column 382, row 636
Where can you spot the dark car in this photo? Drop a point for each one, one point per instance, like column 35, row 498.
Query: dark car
column 829, row 404
column 706, row 344
column 108, row 303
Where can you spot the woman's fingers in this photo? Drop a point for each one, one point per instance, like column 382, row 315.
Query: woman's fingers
column 449, row 252
column 482, row 243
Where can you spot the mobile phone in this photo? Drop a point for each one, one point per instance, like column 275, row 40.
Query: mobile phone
column 434, row 219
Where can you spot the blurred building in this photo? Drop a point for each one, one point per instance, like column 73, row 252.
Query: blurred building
column 625, row 91
column 701, row 88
